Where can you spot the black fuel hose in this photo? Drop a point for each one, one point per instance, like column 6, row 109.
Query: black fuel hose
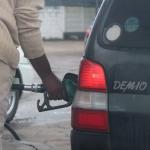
column 12, row 131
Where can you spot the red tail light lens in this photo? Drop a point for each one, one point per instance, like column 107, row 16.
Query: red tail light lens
column 94, row 120
column 90, row 106
column 92, row 76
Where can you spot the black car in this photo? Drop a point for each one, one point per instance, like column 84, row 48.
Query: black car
column 111, row 108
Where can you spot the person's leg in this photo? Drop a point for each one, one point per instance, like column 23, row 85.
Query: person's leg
column 6, row 78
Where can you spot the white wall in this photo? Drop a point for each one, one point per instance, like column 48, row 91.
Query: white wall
column 77, row 19
column 89, row 16
column 74, row 19
column 52, row 26
column 57, row 20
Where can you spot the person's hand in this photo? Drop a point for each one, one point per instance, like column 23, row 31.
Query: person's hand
column 54, row 87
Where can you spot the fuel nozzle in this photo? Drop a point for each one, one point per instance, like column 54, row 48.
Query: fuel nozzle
column 70, row 84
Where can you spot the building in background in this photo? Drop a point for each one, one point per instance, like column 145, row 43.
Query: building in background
column 66, row 18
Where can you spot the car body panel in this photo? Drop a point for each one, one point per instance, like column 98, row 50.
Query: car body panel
column 129, row 121
column 128, row 77
column 82, row 140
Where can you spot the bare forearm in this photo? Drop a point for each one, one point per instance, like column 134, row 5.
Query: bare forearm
column 51, row 82
column 42, row 66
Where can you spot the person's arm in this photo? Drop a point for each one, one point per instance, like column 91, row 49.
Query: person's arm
column 51, row 82
column 28, row 23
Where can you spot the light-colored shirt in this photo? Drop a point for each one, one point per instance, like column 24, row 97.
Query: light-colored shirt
column 20, row 25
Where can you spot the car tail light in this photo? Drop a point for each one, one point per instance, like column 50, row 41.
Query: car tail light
column 90, row 106
column 90, row 119
column 92, row 76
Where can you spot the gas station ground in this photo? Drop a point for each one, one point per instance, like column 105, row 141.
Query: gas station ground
column 52, row 128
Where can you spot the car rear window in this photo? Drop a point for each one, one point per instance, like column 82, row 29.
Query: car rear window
column 127, row 24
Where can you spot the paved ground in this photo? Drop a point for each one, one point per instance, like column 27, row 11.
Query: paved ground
column 51, row 128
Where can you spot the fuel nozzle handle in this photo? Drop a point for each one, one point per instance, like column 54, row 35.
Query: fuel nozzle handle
column 70, row 84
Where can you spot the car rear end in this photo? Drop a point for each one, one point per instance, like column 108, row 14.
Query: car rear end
column 111, row 109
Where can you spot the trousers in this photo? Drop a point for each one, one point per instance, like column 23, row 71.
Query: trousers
column 6, row 78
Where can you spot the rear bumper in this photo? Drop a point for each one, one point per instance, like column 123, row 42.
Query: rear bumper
column 89, row 141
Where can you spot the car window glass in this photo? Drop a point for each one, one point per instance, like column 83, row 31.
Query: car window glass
column 127, row 24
